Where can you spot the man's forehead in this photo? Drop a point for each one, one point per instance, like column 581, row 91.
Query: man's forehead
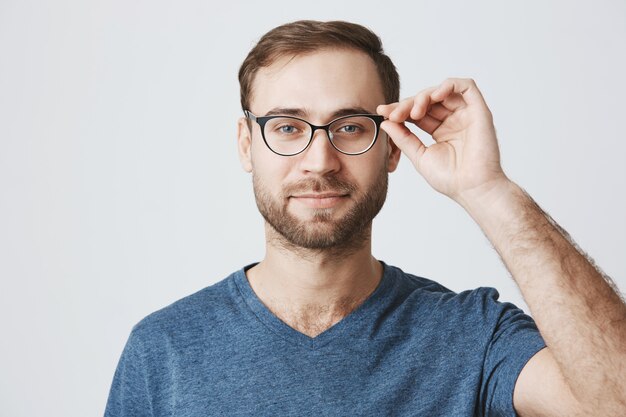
column 324, row 83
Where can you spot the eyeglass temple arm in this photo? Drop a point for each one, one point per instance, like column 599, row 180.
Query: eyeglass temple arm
column 249, row 115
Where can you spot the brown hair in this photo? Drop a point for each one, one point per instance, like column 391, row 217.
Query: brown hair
column 306, row 36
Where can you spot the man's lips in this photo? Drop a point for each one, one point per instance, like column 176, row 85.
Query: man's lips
column 319, row 200
column 319, row 195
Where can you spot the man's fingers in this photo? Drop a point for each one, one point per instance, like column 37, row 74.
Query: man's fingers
column 386, row 109
column 406, row 140
column 421, row 102
column 466, row 87
column 409, row 108
column 428, row 124
column 438, row 102
column 453, row 102
column 401, row 112
column 438, row 111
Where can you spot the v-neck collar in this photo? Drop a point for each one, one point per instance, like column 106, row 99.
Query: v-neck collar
column 342, row 328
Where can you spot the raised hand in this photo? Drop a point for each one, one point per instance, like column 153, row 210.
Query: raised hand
column 464, row 161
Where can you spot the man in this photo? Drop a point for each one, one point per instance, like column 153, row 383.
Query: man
column 319, row 326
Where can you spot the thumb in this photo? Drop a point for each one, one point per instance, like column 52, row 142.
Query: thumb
column 406, row 140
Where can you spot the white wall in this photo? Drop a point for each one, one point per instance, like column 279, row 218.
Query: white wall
column 121, row 191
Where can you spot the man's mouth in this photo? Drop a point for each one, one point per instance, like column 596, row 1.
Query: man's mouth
column 319, row 200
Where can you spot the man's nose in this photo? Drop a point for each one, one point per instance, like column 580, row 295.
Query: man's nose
column 320, row 157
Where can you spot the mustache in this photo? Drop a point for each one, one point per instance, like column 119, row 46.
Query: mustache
column 319, row 185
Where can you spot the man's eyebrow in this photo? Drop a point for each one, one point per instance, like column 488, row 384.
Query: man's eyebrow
column 286, row 111
column 297, row 112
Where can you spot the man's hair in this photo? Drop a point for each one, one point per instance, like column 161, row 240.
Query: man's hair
column 306, row 36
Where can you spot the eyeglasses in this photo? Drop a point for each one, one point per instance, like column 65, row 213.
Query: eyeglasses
column 287, row 136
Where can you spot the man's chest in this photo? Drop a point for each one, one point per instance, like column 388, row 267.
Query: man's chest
column 256, row 380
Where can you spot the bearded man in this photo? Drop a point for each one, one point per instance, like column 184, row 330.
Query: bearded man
column 320, row 327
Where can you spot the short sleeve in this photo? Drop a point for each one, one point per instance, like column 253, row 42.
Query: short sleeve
column 514, row 341
column 129, row 395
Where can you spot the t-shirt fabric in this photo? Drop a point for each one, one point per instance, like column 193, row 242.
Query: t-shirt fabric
column 412, row 348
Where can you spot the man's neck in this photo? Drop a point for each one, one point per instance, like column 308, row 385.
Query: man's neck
column 313, row 290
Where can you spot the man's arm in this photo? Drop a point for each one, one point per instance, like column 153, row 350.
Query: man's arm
column 577, row 309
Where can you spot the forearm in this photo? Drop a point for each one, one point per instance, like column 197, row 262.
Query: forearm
column 577, row 308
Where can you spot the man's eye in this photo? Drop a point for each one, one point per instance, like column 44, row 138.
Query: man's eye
column 349, row 129
column 286, row 129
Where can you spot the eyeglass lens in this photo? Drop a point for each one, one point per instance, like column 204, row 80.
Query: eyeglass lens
column 351, row 135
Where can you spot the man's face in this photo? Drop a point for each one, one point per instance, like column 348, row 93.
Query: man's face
column 319, row 198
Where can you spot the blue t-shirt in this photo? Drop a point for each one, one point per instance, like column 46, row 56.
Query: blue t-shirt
column 412, row 348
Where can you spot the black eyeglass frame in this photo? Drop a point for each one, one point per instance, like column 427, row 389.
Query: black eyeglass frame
column 262, row 120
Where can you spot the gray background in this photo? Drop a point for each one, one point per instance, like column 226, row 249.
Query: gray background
column 121, row 191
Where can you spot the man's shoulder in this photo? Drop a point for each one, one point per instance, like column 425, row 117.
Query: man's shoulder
column 418, row 286
column 419, row 283
column 428, row 291
column 190, row 313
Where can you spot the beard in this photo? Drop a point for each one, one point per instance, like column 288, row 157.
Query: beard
column 322, row 231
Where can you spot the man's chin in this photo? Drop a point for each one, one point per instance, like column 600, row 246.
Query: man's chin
column 314, row 231
column 313, row 215
column 315, row 236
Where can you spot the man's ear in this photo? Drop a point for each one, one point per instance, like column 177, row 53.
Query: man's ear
column 244, row 144
column 394, row 153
